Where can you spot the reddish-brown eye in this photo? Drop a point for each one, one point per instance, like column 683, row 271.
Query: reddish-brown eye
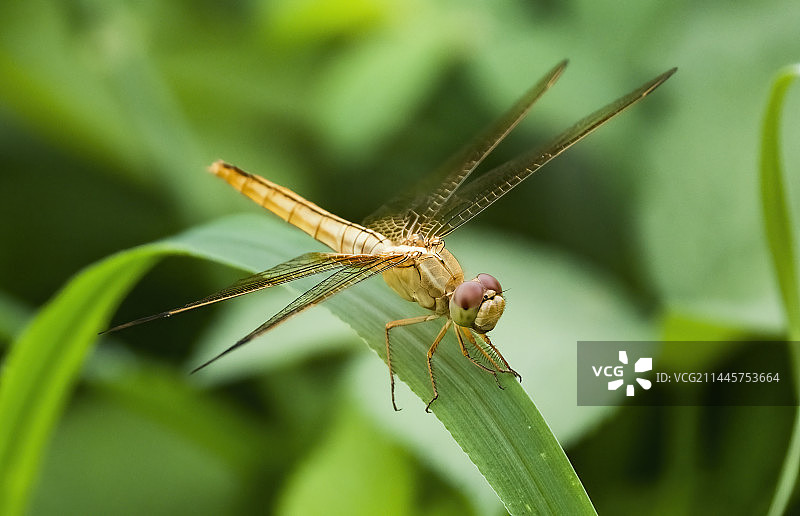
column 468, row 295
column 489, row 282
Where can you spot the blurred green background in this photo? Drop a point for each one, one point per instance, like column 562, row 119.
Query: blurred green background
column 111, row 111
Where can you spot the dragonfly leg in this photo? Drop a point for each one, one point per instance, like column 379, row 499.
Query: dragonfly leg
column 431, row 351
column 395, row 324
column 500, row 355
column 466, row 353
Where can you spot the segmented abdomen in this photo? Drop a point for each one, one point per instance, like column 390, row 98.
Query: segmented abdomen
column 337, row 233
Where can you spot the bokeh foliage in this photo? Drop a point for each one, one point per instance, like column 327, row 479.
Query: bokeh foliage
column 651, row 228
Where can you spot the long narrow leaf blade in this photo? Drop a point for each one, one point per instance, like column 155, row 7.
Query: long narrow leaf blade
column 44, row 363
column 500, row 430
column 779, row 232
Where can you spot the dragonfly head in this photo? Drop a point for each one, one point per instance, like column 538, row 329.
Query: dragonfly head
column 478, row 303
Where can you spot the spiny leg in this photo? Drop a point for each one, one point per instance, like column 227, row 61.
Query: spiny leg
column 500, row 355
column 395, row 324
column 458, row 330
column 471, row 339
column 431, row 351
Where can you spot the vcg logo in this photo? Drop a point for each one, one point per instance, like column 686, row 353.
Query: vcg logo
column 618, row 371
column 608, row 370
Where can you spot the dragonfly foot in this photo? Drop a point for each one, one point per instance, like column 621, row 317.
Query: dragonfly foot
column 508, row 371
column 428, row 406
column 497, row 381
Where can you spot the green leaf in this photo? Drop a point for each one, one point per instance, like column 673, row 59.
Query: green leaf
column 44, row 363
column 777, row 218
column 500, row 430
column 553, row 300
column 778, row 229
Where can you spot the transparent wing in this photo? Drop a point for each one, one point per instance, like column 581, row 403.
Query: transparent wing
column 479, row 194
column 348, row 276
column 304, row 265
column 410, row 214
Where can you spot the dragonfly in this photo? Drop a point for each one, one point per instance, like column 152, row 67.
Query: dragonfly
column 404, row 240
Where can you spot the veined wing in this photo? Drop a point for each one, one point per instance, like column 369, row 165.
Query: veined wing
column 405, row 216
column 304, row 265
column 346, row 277
column 479, row 194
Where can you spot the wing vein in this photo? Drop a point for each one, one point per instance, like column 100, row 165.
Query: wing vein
column 333, row 284
column 300, row 267
column 480, row 193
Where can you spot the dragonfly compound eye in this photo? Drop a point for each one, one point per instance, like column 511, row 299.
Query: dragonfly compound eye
column 465, row 303
column 489, row 282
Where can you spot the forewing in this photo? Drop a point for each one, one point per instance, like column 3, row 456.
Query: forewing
column 304, row 265
column 348, row 276
column 479, row 194
column 410, row 214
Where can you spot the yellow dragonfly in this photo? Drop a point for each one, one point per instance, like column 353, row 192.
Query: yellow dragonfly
column 404, row 240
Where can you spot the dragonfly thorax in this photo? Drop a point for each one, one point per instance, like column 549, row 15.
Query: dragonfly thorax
column 434, row 244
column 427, row 278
